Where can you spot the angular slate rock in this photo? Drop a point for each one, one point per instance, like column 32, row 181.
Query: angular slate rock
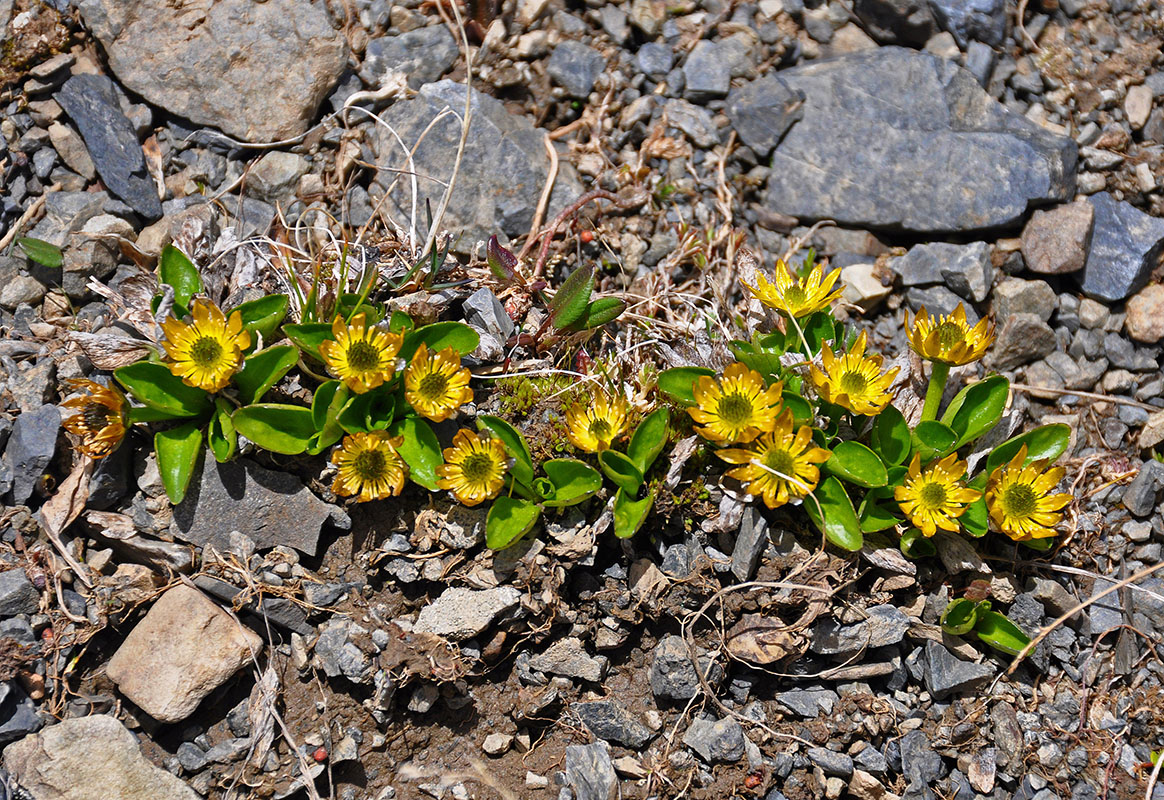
column 269, row 508
column 17, row 594
column 575, row 66
column 590, row 772
column 30, row 448
column 461, row 613
column 91, row 102
column 1126, row 245
column 257, row 71
column 707, row 73
column 972, row 20
column 502, row 172
column 964, row 268
column 947, row 674
column 762, row 112
column 18, row 715
column 716, row 740
column 610, row 720
column 423, row 55
column 907, row 22
column 913, row 143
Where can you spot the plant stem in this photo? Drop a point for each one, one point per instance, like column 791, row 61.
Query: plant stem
column 939, row 372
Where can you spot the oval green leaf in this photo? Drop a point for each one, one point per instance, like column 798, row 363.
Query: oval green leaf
column 522, row 469
column 572, row 298
column 44, row 253
column 600, row 312
column 678, row 382
column 175, row 269
column 802, row 413
column 370, row 411
column 263, row 316
column 976, row 519
column 622, row 471
column 629, row 514
column 221, row 435
column 1046, row 441
column 440, row 335
column 933, row 439
column 876, row 516
column 178, row 452
column 915, row 545
column 420, row 450
column 959, row 616
column 649, row 439
column 835, row 517
column 309, row 336
column 977, row 408
column 890, row 437
column 1000, row 633
column 573, row 481
column 262, row 370
column 154, row 386
column 857, row 464
column 276, row 427
column 509, row 519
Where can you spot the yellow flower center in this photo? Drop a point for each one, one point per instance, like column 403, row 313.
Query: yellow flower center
column 735, row 409
column 206, row 351
column 370, row 465
column 932, row 495
column 780, row 461
column 794, row 295
column 950, row 334
column 1019, row 500
column 477, row 467
column 600, row 429
column 852, row 383
column 433, row 385
column 363, row 355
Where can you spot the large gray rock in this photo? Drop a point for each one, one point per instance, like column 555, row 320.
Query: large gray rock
column 461, row 613
column 502, row 173
column 897, row 139
column 972, row 20
column 91, row 102
column 575, row 66
column 1126, row 245
column 907, row 22
column 257, row 71
column 30, row 449
column 89, row 758
column 269, row 508
column 423, row 55
column 762, row 112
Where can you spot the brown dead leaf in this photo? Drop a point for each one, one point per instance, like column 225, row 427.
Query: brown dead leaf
column 153, row 159
column 423, row 655
column 763, row 640
column 62, row 508
column 109, row 352
column 647, row 582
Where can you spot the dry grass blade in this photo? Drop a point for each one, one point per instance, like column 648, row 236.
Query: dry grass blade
column 66, row 505
column 261, row 714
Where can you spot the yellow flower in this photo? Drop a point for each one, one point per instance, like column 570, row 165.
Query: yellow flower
column 1020, row 501
column 208, row 351
column 369, row 466
column 781, row 466
column 474, row 468
column 362, row 357
column 854, row 381
column 737, row 408
column 949, row 340
column 797, row 297
column 436, row 384
column 935, row 498
column 593, row 427
column 100, row 418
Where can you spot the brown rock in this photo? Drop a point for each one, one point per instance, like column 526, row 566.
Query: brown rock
column 89, row 758
column 1145, row 321
column 184, row 648
column 1057, row 241
column 257, row 71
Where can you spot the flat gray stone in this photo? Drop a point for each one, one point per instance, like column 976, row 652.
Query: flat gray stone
column 762, row 112
column 896, row 139
column 30, row 448
column 972, row 20
column 590, row 772
column 907, row 22
column 1126, row 245
column 946, row 674
column 885, row 626
column 17, row 594
column 575, row 66
column 502, row 173
column 716, row 740
column 568, row 658
column 611, row 721
column 461, row 613
column 423, row 55
column 269, row 508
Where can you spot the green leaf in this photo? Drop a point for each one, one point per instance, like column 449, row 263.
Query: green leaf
column 818, row 328
column 933, row 439
column 598, row 313
column 420, row 450
column 508, row 520
column 977, row 408
column 875, row 516
column 399, row 321
column 44, row 253
column 1041, row 545
column 138, row 414
column 802, row 413
column 766, row 362
column 678, row 382
column 153, row 385
column 440, row 335
column 262, row 370
column 835, row 517
column 276, row 427
column 1000, row 633
column 329, row 398
column 622, row 471
column 350, row 304
column 309, row 336
column 175, row 269
column 570, row 303
column 629, row 514
column 263, row 316
column 572, row 481
column 522, row 469
column 914, row 544
column 221, row 435
column 959, row 616
column 178, row 452
column 1047, row 441
column 649, row 439
column 857, row 464
column 371, row 411
column 502, row 263
column 890, row 437
column 976, row 519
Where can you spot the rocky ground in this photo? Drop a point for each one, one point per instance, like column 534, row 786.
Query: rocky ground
column 942, row 151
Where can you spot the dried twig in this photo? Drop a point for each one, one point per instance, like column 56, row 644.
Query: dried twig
column 1122, row 401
